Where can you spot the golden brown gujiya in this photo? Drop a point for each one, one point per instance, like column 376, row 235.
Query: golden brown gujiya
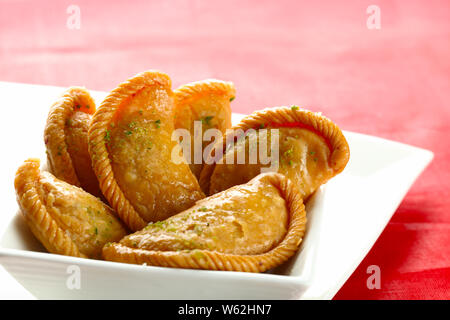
column 207, row 102
column 251, row 227
column 65, row 219
column 132, row 152
column 311, row 150
column 66, row 139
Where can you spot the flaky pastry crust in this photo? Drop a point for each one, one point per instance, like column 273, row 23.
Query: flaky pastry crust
column 65, row 219
column 312, row 149
column 252, row 227
column 131, row 150
column 207, row 101
column 66, row 139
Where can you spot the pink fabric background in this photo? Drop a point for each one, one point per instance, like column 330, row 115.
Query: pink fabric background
column 393, row 83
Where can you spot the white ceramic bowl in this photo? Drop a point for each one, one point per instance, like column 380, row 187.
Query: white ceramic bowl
column 345, row 217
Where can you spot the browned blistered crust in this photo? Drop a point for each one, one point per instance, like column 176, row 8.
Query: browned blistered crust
column 207, row 101
column 271, row 117
column 65, row 137
column 98, row 149
column 34, row 190
column 214, row 260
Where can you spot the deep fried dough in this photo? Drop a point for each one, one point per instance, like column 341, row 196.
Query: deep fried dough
column 133, row 154
column 312, row 150
column 208, row 102
column 251, row 227
column 66, row 219
column 66, row 139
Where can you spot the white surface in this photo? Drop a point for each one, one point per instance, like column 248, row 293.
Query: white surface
column 345, row 218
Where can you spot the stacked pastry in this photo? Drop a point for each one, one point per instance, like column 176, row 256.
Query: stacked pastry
column 113, row 172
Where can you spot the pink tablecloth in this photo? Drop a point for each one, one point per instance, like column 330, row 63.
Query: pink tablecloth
column 392, row 82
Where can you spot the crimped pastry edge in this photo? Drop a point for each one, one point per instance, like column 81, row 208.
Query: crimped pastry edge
column 43, row 226
column 101, row 162
column 191, row 91
column 282, row 115
column 213, row 260
column 54, row 134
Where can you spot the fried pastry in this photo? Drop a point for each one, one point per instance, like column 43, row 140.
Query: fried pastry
column 66, row 139
column 251, row 227
column 133, row 154
column 311, row 150
column 65, row 219
column 208, row 102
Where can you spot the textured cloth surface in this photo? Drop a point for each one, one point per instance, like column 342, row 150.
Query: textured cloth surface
column 392, row 82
